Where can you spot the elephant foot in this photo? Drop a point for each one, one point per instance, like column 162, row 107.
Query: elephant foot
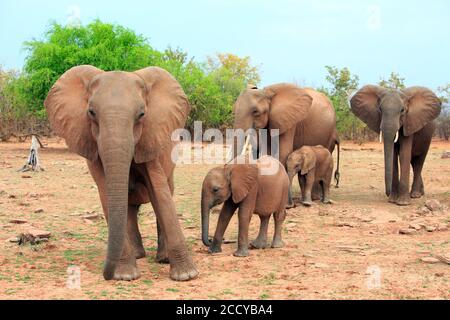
column 316, row 197
column 290, row 205
column 140, row 253
column 214, row 249
column 327, row 201
column 183, row 269
column 241, row 253
column 161, row 254
column 393, row 198
column 126, row 271
column 403, row 201
column 258, row 244
column 417, row 194
column 138, row 247
column 277, row 243
column 307, row 203
column 162, row 258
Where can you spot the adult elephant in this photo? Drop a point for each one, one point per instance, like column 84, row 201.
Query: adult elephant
column 122, row 122
column 302, row 116
column 404, row 119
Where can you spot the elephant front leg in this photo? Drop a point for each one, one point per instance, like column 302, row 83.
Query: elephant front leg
column 224, row 219
column 316, row 192
column 405, row 161
column 261, row 241
column 133, row 231
column 326, row 192
column 418, row 189
column 307, row 200
column 245, row 214
column 302, row 183
column 182, row 267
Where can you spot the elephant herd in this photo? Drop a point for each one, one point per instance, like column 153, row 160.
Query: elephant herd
column 122, row 123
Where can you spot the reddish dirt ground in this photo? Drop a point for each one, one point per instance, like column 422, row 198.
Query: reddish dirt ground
column 332, row 251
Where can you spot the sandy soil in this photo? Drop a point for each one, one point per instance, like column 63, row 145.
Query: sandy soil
column 332, row 252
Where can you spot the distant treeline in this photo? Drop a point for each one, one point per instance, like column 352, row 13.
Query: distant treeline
column 212, row 86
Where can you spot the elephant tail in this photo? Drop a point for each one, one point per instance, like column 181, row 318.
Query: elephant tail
column 337, row 174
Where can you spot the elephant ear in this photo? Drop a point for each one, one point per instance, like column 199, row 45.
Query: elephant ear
column 423, row 106
column 309, row 162
column 67, row 105
column 289, row 105
column 167, row 110
column 365, row 105
column 243, row 178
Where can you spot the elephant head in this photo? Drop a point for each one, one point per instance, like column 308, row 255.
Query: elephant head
column 301, row 161
column 279, row 106
column 115, row 117
column 392, row 113
column 221, row 183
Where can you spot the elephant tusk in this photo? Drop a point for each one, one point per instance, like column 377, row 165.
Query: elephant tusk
column 396, row 137
column 381, row 136
column 247, row 142
column 230, row 154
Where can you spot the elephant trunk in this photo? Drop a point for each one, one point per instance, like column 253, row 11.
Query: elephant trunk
column 388, row 139
column 205, row 207
column 291, row 175
column 116, row 158
column 388, row 163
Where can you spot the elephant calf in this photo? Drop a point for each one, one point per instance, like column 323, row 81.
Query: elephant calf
column 312, row 164
column 260, row 188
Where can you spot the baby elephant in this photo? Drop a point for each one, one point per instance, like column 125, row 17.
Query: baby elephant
column 260, row 188
column 312, row 164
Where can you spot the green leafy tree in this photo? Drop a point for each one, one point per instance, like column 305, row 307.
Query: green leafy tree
column 341, row 80
column 211, row 90
column 239, row 68
column 341, row 84
column 106, row 46
column 395, row 81
column 443, row 121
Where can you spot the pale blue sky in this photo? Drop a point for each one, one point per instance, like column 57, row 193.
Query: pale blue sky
column 292, row 40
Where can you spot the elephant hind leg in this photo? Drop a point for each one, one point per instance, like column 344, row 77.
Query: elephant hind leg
column 133, row 231
column 261, row 241
column 278, row 218
column 316, row 192
column 417, row 189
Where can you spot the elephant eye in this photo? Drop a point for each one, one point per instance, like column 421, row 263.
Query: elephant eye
column 403, row 110
column 216, row 189
column 141, row 115
column 92, row 113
